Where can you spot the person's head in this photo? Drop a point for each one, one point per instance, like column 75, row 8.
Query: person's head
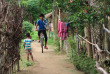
column 41, row 16
column 28, row 35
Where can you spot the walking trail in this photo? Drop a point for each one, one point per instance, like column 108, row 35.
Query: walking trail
column 49, row 62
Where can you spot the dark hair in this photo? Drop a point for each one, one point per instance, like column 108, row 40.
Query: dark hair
column 41, row 15
column 27, row 34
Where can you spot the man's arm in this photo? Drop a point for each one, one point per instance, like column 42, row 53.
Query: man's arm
column 46, row 23
column 47, row 27
column 36, row 26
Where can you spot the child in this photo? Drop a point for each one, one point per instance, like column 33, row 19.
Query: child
column 27, row 46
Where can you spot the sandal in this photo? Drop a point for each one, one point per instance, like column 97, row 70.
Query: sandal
column 38, row 41
column 46, row 47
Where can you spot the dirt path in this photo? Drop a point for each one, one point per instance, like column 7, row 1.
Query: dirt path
column 49, row 63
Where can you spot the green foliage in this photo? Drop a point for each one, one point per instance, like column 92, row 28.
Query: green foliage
column 72, row 42
column 73, row 46
column 36, row 7
column 33, row 8
column 83, row 63
column 76, row 10
column 29, row 64
column 34, row 35
column 80, row 61
column 46, row 5
column 27, row 27
column 50, row 41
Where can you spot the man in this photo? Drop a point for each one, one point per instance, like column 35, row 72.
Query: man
column 42, row 23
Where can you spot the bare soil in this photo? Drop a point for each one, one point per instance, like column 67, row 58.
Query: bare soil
column 49, row 62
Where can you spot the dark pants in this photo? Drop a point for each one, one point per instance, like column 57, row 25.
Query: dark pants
column 44, row 32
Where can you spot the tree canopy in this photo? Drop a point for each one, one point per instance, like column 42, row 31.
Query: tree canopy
column 35, row 7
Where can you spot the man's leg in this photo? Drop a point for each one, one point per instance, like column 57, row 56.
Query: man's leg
column 39, row 35
column 45, row 35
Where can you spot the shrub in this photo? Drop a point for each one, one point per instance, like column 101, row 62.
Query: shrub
column 80, row 61
column 27, row 27
column 84, row 63
column 34, row 35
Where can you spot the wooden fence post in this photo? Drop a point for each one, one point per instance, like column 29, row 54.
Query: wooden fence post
column 18, row 67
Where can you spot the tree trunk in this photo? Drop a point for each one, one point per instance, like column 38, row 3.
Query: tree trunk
column 53, row 17
column 56, row 22
column 109, row 29
column 105, row 22
column 88, row 35
column 49, row 30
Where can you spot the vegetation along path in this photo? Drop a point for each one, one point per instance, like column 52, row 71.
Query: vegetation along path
column 49, row 62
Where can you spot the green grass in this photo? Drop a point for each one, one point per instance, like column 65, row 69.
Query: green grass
column 50, row 41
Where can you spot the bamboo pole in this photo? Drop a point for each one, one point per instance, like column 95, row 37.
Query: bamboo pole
column 61, row 49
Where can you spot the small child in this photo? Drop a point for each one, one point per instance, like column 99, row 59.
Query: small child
column 27, row 46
